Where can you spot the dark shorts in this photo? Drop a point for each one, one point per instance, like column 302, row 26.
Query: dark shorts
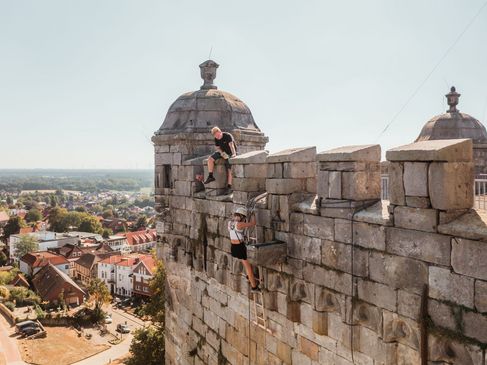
column 217, row 155
column 239, row 251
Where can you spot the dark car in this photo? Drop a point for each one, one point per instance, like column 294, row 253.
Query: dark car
column 28, row 328
column 31, row 331
column 24, row 324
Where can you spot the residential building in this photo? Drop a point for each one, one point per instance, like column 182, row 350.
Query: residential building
column 143, row 272
column 4, row 217
column 51, row 284
column 141, row 240
column 33, row 262
column 86, row 267
column 20, row 280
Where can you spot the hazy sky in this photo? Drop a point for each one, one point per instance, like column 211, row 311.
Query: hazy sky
column 84, row 84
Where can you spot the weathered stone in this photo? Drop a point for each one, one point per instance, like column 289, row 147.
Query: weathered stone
column 475, row 325
column 429, row 247
column 248, row 184
column 454, row 150
column 253, row 157
column 472, row 225
column 274, row 171
column 284, row 186
column 469, row 258
column 322, row 185
column 377, row 213
column 320, row 323
column 445, row 285
column 311, row 186
column 334, row 280
column 396, row 183
column 408, row 304
column 443, row 315
column 368, row 316
column 305, row 248
column 418, row 202
column 400, row 329
column 319, row 227
column 351, row 153
column 405, row 355
column 334, row 185
column 481, row 296
column 255, row 171
column 369, row 235
column 444, row 350
column 336, row 255
column 299, row 170
column 304, row 154
column 343, row 230
column 416, row 179
column 398, row 272
column 361, row 185
column 377, row 294
column 451, row 185
column 416, row 218
column 182, row 188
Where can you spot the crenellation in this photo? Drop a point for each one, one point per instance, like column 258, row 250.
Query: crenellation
column 345, row 271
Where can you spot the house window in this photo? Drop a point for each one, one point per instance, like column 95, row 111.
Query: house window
column 146, row 289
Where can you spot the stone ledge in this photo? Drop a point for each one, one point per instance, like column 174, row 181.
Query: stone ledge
column 472, row 225
column 250, row 158
column 302, row 154
column 363, row 153
column 376, row 214
column 451, row 150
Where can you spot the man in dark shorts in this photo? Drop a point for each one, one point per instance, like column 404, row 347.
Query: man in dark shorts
column 225, row 148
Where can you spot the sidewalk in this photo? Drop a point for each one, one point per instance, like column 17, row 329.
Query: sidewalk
column 9, row 351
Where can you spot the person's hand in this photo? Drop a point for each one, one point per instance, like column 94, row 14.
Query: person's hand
column 234, row 155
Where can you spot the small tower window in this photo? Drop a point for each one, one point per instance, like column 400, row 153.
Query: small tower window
column 166, row 176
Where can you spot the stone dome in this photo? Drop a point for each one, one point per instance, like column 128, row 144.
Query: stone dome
column 453, row 124
column 198, row 111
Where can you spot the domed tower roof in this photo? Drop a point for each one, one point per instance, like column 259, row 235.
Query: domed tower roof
column 453, row 124
column 198, row 111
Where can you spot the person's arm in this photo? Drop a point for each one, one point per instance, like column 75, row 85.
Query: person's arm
column 232, row 147
column 242, row 225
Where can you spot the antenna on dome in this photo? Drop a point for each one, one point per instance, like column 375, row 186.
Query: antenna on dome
column 211, row 49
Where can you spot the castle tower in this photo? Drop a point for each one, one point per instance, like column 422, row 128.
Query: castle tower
column 185, row 133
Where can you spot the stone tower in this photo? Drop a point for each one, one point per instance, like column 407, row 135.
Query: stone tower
column 184, row 137
column 454, row 125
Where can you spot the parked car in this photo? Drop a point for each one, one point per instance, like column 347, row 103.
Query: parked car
column 23, row 324
column 108, row 319
column 123, row 328
column 31, row 331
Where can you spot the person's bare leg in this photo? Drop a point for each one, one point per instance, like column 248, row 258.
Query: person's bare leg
column 250, row 273
column 211, row 164
column 229, row 176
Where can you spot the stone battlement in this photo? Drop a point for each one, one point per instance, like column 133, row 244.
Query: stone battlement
column 364, row 281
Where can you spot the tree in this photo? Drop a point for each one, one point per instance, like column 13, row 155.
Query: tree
column 4, row 293
column 3, row 258
column 80, row 209
column 140, row 224
column 33, row 215
column 107, row 232
column 53, row 201
column 13, row 226
column 26, row 244
column 99, row 294
column 147, row 346
column 10, row 201
column 89, row 223
column 55, row 218
column 107, row 213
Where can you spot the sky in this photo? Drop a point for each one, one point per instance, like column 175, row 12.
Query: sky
column 84, row 84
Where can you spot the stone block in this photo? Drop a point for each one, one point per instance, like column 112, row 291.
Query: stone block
column 305, row 248
column 418, row 202
column 378, row 294
column 408, row 304
column 405, row 355
column 469, row 258
column 303, row 154
column 284, row 186
column 396, row 183
column 320, row 323
column 369, row 235
column 368, row 316
column 452, row 150
column 163, row 159
column 311, row 185
column 370, row 153
column 445, row 285
column 444, row 315
column 416, row 179
column 451, row 185
column 416, row 218
column 343, row 230
column 299, row 170
column 444, row 350
column 398, row 272
column 253, row 157
column 336, row 255
column 309, row 348
column 319, row 227
column 475, row 325
column 182, row 188
column 400, row 329
column 274, row 171
column 322, row 185
column 334, row 185
column 296, row 223
column 248, row 184
column 361, row 185
column 481, row 296
column 255, row 170
column 429, row 247
column 334, row 280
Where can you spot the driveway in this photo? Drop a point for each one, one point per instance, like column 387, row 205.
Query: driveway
column 122, row 348
column 9, row 351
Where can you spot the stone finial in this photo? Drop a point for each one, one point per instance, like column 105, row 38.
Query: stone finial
column 452, row 99
column 208, row 74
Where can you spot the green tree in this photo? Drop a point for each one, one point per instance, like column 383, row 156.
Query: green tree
column 55, row 218
column 147, row 346
column 107, row 232
column 89, row 223
column 26, row 244
column 107, row 213
column 4, row 293
column 3, row 258
column 80, row 209
column 99, row 295
column 10, row 201
column 141, row 223
column 53, row 201
column 13, row 226
column 33, row 215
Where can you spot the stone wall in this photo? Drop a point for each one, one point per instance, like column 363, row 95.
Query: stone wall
column 365, row 281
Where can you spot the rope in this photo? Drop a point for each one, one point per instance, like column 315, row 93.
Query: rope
column 469, row 24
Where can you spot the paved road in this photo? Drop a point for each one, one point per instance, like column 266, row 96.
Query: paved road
column 122, row 348
column 8, row 345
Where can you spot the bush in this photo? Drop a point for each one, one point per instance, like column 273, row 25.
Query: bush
column 24, row 296
column 40, row 313
column 10, row 306
column 4, row 293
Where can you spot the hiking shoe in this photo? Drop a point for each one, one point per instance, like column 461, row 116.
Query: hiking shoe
column 209, row 179
column 255, row 289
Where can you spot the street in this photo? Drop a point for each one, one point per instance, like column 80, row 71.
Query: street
column 9, row 352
